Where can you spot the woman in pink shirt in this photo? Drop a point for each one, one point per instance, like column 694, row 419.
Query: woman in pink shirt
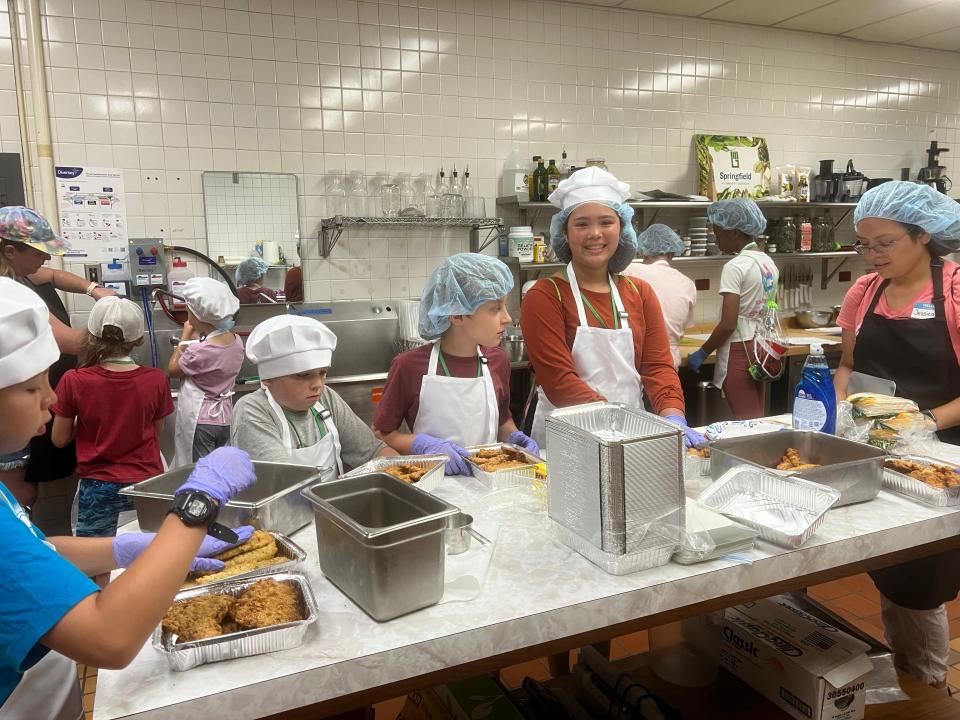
column 900, row 323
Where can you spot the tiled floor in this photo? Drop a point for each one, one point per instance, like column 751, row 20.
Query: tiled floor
column 853, row 598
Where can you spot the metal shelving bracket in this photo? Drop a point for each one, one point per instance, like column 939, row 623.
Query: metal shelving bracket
column 332, row 228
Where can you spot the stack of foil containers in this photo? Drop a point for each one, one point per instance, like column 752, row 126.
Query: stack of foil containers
column 615, row 491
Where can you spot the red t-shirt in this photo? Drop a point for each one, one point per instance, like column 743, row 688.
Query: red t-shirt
column 115, row 413
column 401, row 393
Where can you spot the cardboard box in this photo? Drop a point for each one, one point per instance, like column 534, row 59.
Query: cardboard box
column 805, row 666
column 477, row 698
column 423, row 705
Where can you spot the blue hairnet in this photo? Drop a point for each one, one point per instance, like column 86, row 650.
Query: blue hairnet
column 458, row 286
column 249, row 270
column 659, row 239
column 914, row 204
column 626, row 252
column 737, row 214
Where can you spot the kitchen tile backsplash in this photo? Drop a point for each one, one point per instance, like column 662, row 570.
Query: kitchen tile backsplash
column 167, row 90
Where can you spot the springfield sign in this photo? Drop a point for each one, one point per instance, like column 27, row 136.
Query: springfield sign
column 732, row 166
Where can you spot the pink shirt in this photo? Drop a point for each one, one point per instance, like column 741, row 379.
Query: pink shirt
column 858, row 298
column 677, row 295
column 213, row 369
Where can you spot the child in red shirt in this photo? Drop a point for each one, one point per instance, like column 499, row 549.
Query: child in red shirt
column 115, row 409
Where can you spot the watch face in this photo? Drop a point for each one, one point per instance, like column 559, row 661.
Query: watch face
column 196, row 507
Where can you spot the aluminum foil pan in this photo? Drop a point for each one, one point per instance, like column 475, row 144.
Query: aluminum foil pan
column 917, row 489
column 695, row 466
column 286, row 548
column 183, row 656
column 512, row 477
column 428, row 483
column 785, row 510
column 657, row 553
column 708, row 535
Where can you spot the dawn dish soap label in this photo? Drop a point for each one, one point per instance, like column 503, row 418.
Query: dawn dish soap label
column 815, row 400
column 808, row 413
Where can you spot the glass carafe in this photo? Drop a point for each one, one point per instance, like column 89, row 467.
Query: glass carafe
column 356, row 188
column 408, row 195
column 336, row 195
column 390, row 200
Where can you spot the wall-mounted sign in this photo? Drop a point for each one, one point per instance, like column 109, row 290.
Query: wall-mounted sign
column 733, row 166
column 93, row 212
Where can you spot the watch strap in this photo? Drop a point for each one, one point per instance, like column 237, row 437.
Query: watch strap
column 222, row 532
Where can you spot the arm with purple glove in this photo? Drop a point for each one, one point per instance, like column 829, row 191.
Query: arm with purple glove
column 457, row 464
column 691, row 438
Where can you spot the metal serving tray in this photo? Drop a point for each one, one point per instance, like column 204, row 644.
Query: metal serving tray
column 785, row 510
column 428, row 483
column 273, row 503
column 286, row 548
column 855, row 469
column 512, row 477
column 656, row 553
column 183, row 656
column 917, row 489
column 380, row 541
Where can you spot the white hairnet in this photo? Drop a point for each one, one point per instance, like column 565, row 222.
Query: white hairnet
column 658, row 239
column 253, row 268
column 458, row 286
column 27, row 347
column 737, row 214
column 117, row 312
column 211, row 301
column 914, row 204
column 627, row 250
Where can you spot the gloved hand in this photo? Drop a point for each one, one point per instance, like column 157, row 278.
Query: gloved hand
column 127, row 548
column 524, row 441
column 424, row 444
column 223, row 474
column 691, row 438
column 695, row 360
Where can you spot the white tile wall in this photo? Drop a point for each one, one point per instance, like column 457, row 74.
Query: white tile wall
column 167, row 90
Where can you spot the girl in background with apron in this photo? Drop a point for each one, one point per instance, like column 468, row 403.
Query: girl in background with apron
column 208, row 359
column 591, row 334
column 454, row 392
column 747, row 283
column 902, row 323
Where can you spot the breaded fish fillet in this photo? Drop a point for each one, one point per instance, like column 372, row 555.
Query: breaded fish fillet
column 267, row 602
column 257, row 540
column 197, row 618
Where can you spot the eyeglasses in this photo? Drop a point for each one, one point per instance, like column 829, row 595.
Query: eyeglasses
column 878, row 249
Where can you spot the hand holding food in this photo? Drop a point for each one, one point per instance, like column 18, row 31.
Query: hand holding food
column 524, row 441
column 424, row 444
column 223, row 474
column 129, row 546
column 259, row 550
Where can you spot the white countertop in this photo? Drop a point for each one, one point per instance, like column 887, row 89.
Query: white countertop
column 536, row 591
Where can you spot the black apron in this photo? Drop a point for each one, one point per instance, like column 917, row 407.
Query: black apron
column 47, row 461
column 916, row 354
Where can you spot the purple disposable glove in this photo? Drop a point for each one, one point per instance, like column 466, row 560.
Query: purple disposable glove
column 524, row 441
column 691, row 438
column 127, row 548
column 424, row 444
column 223, row 474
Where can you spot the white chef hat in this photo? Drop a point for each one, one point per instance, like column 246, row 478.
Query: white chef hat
column 119, row 312
column 590, row 184
column 210, row 300
column 290, row 344
column 27, row 346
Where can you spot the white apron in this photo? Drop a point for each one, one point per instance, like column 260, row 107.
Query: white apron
column 603, row 358
column 50, row 688
column 462, row 410
column 189, row 404
column 325, row 453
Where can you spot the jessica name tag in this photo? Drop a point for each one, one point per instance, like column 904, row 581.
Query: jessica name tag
column 923, row 311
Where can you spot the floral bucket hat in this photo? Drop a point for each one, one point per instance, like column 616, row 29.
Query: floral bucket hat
column 23, row 225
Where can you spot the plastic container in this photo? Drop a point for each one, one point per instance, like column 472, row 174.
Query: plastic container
column 177, row 278
column 815, row 400
column 513, row 182
column 520, row 243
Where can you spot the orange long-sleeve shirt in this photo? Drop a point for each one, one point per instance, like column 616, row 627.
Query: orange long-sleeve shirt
column 550, row 325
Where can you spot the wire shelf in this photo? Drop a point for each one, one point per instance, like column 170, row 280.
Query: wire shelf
column 331, row 228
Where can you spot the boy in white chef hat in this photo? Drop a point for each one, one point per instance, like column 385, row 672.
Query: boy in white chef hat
column 208, row 359
column 294, row 417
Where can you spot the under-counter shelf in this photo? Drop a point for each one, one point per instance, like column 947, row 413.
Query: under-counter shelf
column 331, row 228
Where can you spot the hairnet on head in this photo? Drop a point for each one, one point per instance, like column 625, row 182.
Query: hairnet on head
column 253, row 268
column 914, row 204
column 660, row 239
column 458, row 286
column 118, row 312
column 626, row 251
column 737, row 214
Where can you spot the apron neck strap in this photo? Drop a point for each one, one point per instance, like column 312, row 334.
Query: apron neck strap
column 616, row 304
column 436, row 358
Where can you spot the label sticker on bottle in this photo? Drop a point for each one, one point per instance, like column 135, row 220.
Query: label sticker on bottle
column 808, row 414
column 923, row 311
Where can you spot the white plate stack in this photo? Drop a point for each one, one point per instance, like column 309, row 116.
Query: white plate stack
column 697, row 234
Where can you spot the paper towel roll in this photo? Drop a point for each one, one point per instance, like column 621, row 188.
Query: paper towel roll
column 271, row 253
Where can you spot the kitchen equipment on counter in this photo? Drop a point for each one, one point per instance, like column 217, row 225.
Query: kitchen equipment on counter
column 381, row 542
column 874, row 182
column 853, row 184
column 815, row 317
column 854, row 469
column 515, row 347
column 272, row 503
column 786, row 511
column 826, row 184
column 935, row 174
column 434, row 464
column 616, row 484
column 243, row 643
column 458, row 533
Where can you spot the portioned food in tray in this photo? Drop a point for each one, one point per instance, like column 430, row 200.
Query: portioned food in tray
column 502, row 458
column 264, row 603
column 932, row 474
column 408, row 473
column 701, row 452
column 260, row 551
column 791, row 460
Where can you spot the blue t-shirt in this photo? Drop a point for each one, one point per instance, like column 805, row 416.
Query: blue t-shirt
column 39, row 588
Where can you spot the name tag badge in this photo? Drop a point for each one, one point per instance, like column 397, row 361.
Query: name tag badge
column 923, row 311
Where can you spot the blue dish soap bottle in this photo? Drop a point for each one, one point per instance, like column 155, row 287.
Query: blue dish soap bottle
column 815, row 400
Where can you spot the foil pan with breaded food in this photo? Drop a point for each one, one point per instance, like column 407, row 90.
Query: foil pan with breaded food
column 264, row 552
column 236, row 619
column 424, row 471
column 929, row 481
column 502, row 465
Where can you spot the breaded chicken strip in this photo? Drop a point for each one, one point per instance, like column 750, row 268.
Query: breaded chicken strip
column 258, row 540
column 198, row 617
column 265, row 603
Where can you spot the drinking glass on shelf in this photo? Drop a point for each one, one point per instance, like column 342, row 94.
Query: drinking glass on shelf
column 357, row 194
column 390, row 200
column 451, row 205
column 336, row 195
column 474, row 207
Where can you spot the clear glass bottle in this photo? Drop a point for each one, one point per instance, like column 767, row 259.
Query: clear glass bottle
column 553, row 176
column 433, row 192
column 408, row 194
column 470, row 201
column 357, row 194
column 451, row 202
column 336, row 195
column 390, row 200
column 564, row 165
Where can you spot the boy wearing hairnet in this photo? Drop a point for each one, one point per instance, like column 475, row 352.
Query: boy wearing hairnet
column 249, row 277
column 454, row 392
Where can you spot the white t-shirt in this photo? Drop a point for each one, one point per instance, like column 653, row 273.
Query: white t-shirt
column 677, row 295
column 753, row 276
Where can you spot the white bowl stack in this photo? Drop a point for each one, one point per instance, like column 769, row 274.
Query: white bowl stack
column 699, row 235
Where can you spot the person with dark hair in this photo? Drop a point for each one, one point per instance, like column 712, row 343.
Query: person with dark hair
column 901, row 322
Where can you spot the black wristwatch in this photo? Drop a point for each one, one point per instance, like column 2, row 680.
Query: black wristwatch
column 196, row 508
